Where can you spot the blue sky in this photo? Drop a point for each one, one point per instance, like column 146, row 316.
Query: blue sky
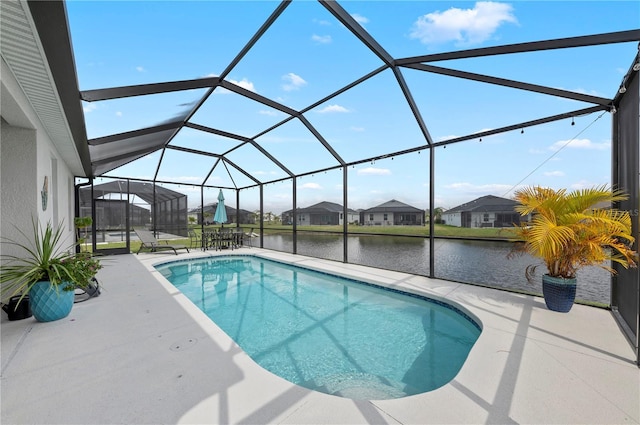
column 307, row 54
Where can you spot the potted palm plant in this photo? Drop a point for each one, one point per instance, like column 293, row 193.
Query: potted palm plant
column 568, row 231
column 45, row 272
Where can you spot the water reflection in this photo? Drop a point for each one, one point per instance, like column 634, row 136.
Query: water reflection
column 478, row 262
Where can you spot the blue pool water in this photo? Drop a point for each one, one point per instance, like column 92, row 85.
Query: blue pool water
column 327, row 333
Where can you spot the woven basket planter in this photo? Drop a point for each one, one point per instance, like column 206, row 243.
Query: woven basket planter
column 559, row 294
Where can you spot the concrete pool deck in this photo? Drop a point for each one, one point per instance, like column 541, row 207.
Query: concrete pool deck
column 142, row 353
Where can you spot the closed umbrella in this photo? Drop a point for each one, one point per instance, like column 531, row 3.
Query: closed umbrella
column 221, row 212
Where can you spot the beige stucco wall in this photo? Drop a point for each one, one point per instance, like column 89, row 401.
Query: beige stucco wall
column 27, row 155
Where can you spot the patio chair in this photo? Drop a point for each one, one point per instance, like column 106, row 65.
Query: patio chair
column 150, row 241
column 249, row 236
column 195, row 241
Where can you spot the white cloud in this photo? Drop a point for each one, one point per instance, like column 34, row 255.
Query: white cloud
column 321, row 39
column 372, row 171
column 245, row 84
column 482, row 189
column 268, row 112
column 89, row 107
column 358, row 129
column 536, row 151
column 449, row 137
column 321, row 22
column 464, row 26
column 582, row 184
column 314, row 186
column 118, row 114
column 293, row 82
column 140, row 69
column 585, row 91
column 360, row 19
column 182, row 179
column 333, row 108
column 580, row 144
column 554, row 173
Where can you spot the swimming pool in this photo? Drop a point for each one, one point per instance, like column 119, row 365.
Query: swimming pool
column 328, row 333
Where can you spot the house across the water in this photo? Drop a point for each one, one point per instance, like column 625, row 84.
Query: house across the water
column 392, row 213
column 323, row 213
column 486, row 211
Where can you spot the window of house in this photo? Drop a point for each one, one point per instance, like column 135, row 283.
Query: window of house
column 486, row 217
column 370, row 217
column 385, row 217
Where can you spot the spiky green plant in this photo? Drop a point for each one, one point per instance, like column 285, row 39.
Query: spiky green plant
column 567, row 231
column 43, row 258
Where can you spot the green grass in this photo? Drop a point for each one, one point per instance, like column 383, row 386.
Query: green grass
column 440, row 230
column 272, row 229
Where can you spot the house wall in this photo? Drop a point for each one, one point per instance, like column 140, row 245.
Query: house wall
column 378, row 219
column 452, row 219
column 27, row 155
column 478, row 219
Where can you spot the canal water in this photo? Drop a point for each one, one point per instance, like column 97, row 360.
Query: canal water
column 476, row 262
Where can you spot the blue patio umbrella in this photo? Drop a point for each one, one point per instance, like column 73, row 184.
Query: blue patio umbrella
column 221, row 212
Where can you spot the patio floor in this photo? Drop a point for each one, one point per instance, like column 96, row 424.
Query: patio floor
column 141, row 353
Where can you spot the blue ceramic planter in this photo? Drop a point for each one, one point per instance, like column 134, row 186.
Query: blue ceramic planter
column 48, row 304
column 559, row 294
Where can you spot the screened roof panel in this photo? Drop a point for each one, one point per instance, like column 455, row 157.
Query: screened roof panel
column 227, row 111
column 454, row 107
column 173, row 169
column 135, row 145
column 371, row 119
column 578, row 70
column 304, row 56
column 226, row 175
column 126, row 114
column 297, row 148
column 143, row 168
column 256, row 163
column 197, row 39
column 204, row 141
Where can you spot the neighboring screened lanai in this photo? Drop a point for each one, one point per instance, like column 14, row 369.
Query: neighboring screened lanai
column 285, row 105
column 148, row 206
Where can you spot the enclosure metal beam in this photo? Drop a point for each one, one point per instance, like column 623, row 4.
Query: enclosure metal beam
column 565, row 115
column 294, row 191
column 345, row 223
column 432, row 200
column 271, row 157
column 321, row 139
column 352, row 25
column 129, row 155
column 258, row 98
column 558, row 43
column 216, row 132
column 511, row 83
column 146, row 89
column 199, row 152
column 345, row 88
column 135, row 133
column 412, row 105
column 241, row 138
column 261, row 215
column 213, row 167
column 249, row 45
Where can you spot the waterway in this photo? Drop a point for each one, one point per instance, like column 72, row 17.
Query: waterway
column 476, row 262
